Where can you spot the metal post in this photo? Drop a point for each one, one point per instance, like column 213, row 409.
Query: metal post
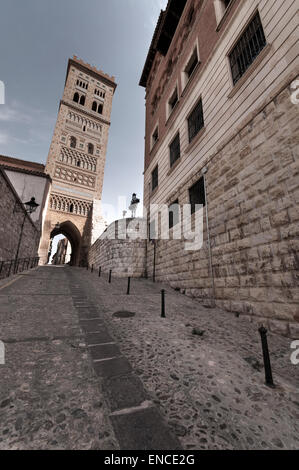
column 100, row 270
column 266, row 355
column 110, row 272
column 1, row 266
column 163, row 304
column 92, row 268
column 87, row 267
column 128, row 288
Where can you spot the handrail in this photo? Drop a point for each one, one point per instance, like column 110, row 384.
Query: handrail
column 17, row 265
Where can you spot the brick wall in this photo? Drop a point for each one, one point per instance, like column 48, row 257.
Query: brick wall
column 117, row 251
column 253, row 195
column 11, row 223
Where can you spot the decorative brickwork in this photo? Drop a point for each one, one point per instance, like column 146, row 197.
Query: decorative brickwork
column 76, row 159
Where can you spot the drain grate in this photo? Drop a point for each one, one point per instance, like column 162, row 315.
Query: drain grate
column 124, row 314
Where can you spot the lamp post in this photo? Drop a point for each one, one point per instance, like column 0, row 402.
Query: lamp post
column 30, row 207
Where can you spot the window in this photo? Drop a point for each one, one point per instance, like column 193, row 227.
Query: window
column 172, row 101
column 73, row 142
column 94, row 106
column 220, row 8
column 197, row 194
column 82, row 100
column 100, row 109
column 195, row 121
column 155, row 178
column 155, row 136
column 90, row 149
column 174, row 213
column 248, row 47
column 76, row 98
column 191, row 65
column 175, row 150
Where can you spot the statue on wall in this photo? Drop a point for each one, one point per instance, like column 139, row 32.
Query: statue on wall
column 133, row 206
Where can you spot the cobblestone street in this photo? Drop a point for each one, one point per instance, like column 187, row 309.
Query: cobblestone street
column 82, row 374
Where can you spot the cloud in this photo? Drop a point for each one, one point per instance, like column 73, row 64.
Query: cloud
column 3, row 138
column 13, row 114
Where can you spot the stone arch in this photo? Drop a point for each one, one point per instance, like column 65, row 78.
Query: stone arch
column 69, row 230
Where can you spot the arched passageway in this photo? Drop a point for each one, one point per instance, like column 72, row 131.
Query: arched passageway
column 70, row 231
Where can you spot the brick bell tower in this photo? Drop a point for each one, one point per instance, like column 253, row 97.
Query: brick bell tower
column 76, row 160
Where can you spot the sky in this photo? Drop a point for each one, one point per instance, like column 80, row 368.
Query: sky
column 36, row 39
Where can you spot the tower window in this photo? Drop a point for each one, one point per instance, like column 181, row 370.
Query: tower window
column 90, row 149
column 249, row 46
column 100, row 109
column 197, row 194
column 195, row 121
column 94, row 106
column 73, row 142
column 76, row 98
column 82, row 100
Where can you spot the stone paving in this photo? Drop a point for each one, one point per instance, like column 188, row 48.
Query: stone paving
column 210, row 388
column 79, row 377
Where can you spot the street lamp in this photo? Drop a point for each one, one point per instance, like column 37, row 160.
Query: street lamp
column 30, row 207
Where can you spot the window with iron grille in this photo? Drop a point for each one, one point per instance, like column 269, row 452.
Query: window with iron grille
column 195, row 121
column 197, row 194
column 175, row 150
column 173, row 213
column 155, row 178
column 248, row 47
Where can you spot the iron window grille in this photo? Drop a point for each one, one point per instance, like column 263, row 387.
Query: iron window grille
column 195, row 121
column 197, row 194
column 155, row 178
column 175, row 150
column 248, row 47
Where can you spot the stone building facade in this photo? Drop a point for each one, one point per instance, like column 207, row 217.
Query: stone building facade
column 20, row 181
column 13, row 216
column 222, row 131
column 121, row 248
column 76, row 159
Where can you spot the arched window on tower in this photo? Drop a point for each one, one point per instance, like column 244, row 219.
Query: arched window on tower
column 73, row 142
column 82, row 100
column 76, row 98
column 90, row 149
column 94, row 106
column 72, row 208
column 100, row 109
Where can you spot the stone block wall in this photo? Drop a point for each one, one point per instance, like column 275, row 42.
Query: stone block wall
column 253, row 195
column 116, row 250
column 11, row 223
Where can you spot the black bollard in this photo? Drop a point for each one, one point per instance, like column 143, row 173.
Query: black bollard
column 92, row 268
column 87, row 267
column 110, row 272
column 128, row 288
column 266, row 355
column 100, row 269
column 163, row 304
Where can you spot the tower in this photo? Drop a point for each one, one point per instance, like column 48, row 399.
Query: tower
column 76, row 160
